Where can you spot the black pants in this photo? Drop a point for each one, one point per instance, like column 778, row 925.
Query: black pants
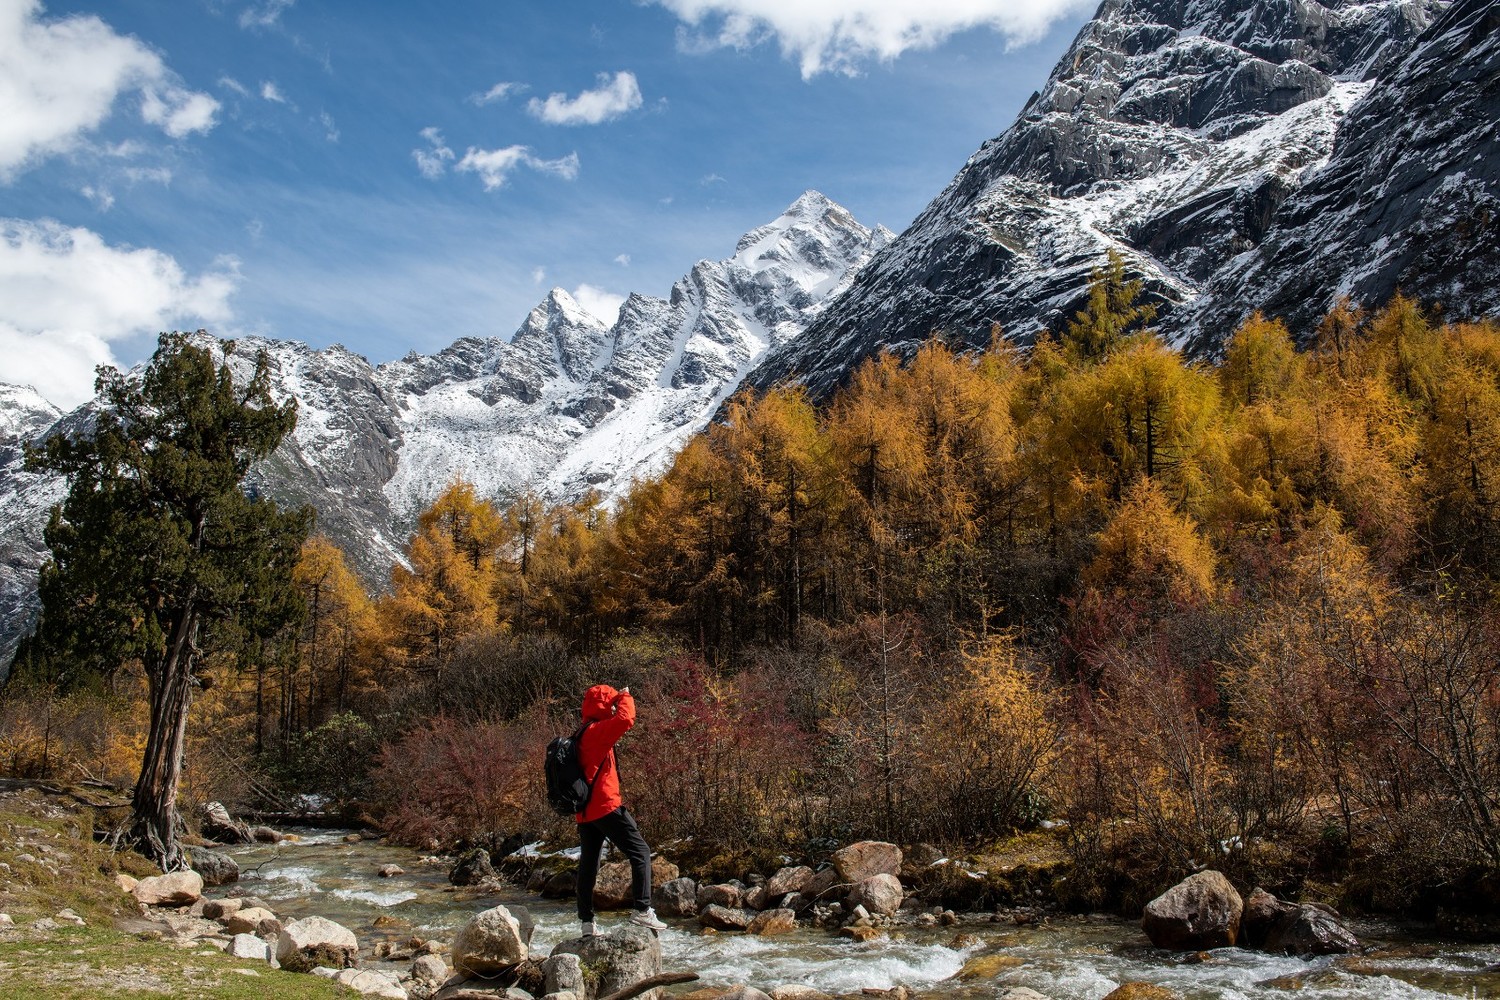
column 620, row 829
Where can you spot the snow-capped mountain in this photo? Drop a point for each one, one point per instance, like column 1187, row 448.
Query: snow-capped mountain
column 566, row 405
column 1179, row 133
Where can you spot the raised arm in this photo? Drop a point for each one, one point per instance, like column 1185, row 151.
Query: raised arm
column 617, row 725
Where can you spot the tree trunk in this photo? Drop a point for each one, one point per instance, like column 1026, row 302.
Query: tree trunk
column 153, row 818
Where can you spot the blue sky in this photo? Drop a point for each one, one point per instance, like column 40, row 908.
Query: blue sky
column 392, row 176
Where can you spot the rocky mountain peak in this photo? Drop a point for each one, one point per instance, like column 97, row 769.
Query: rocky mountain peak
column 24, row 413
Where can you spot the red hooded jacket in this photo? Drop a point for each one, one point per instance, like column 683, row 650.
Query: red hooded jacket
column 611, row 713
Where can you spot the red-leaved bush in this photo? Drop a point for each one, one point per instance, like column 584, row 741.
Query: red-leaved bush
column 447, row 781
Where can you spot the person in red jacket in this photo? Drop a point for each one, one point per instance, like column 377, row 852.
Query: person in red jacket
column 607, row 715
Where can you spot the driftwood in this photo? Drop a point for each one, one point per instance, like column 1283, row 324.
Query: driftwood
column 650, row 983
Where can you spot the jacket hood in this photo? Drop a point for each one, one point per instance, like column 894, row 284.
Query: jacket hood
column 599, row 702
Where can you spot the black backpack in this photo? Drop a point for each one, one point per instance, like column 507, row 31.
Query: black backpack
column 568, row 790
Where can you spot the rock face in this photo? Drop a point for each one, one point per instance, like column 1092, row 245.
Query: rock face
column 623, row 958
column 567, row 404
column 866, row 859
column 1237, row 154
column 176, row 889
column 1200, row 912
column 490, row 943
column 306, row 944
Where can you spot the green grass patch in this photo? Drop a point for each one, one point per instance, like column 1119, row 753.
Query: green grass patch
column 82, row 963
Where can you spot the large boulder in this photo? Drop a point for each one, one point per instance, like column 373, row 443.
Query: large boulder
column 612, row 888
column 1200, row 912
column 818, row 887
column 429, row 970
column 860, row 861
column 472, row 867
column 249, row 946
column 878, row 894
column 306, row 944
column 563, row 973
column 220, row 826
column 722, row 894
column 677, row 897
column 492, row 942
column 622, row 958
column 176, row 889
column 215, row 867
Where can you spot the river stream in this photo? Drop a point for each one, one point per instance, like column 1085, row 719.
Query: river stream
column 1068, row 958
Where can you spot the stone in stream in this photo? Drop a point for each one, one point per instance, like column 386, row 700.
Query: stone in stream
column 220, row 826
column 773, row 922
column 1141, row 991
column 472, row 867
column 492, row 942
column 861, row 860
column 724, row 918
column 723, row 894
column 878, row 894
column 1022, row 993
column 624, row 958
column 793, row 991
column 390, row 871
column 1200, row 912
column 316, row 941
column 676, row 898
column 739, row 991
column 176, row 889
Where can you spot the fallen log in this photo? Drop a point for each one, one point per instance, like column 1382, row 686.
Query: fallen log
column 651, row 983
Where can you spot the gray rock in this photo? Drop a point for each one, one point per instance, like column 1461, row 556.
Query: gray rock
column 788, row 880
column 563, row 973
column 370, row 983
column 472, row 867
column 253, row 920
column 215, row 867
column 429, row 969
column 740, row 991
column 219, row 909
column 491, row 942
column 1311, row 930
column 249, row 946
column 1200, row 912
column 625, row 957
column 316, row 941
column 676, row 898
column 219, row 825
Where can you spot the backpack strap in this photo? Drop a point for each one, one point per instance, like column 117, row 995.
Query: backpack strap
column 578, row 741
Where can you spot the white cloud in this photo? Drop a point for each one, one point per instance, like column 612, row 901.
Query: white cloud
column 148, row 175
column 330, row 127
column 602, row 305
column 499, row 92
column 623, row 260
column 264, row 15
column 433, row 161
column 60, row 78
column 839, row 35
column 494, row 166
column 611, row 99
column 230, row 83
column 101, row 197
column 707, row 180
column 65, row 294
column 177, row 111
column 270, row 92
column 538, row 275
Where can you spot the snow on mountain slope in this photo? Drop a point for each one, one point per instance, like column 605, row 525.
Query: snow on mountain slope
column 1171, row 132
column 565, row 406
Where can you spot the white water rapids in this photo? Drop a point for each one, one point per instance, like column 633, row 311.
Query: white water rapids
column 1068, row 958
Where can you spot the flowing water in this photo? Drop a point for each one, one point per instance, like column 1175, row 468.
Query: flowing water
column 1070, row 958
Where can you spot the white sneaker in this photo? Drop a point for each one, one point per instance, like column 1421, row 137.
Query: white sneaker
column 589, row 930
column 647, row 918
